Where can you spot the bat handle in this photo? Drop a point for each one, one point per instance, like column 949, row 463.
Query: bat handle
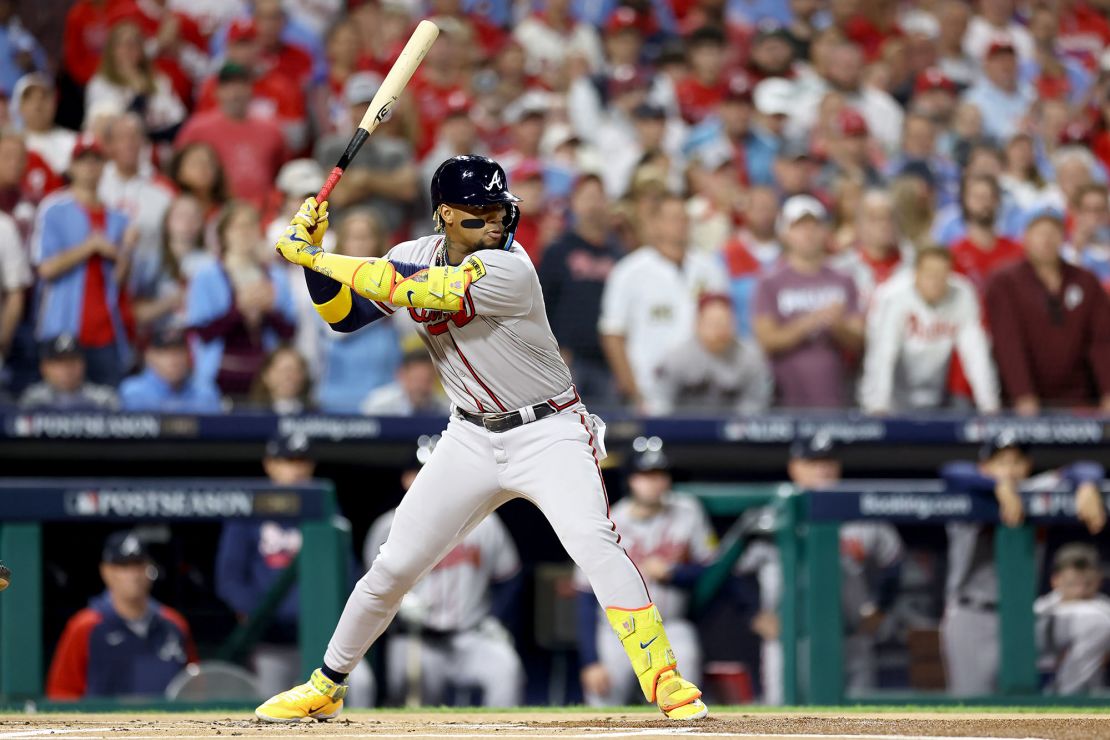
column 333, row 178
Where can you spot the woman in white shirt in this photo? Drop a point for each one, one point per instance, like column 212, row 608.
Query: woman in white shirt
column 127, row 78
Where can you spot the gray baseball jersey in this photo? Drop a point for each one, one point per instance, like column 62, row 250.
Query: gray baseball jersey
column 680, row 532
column 455, row 595
column 499, row 354
column 971, row 572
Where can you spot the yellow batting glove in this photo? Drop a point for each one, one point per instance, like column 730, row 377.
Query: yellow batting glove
column 297, row 245
column 314, row 218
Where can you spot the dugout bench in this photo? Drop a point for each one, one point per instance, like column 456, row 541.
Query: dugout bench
column 806, row 525
column 26, row 504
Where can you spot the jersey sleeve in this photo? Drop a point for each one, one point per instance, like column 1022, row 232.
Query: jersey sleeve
column 505, row 283
column 887, row 546
column 69, row 670
column 703, row 540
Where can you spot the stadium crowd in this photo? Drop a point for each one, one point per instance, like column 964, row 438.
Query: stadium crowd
column 731, row 205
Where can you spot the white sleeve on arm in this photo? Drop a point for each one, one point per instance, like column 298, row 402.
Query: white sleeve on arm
column 974, row 349
column 615, row 304
column 508, row 286
column 884, row 339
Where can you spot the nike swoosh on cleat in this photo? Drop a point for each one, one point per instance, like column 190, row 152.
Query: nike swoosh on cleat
column 644, row 645
column 410, row 297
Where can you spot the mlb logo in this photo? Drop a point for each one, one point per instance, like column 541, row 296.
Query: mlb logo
column 84, row 503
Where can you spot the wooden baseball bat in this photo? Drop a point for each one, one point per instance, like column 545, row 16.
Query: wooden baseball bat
column 399, row 75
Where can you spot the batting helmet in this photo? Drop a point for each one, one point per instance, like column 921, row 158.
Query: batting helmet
column 473, row 180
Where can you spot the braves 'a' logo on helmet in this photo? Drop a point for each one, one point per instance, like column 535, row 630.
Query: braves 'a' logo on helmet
column 495, row 182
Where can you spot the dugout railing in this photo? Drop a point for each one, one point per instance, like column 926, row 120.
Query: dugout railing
column 806, row 530
column 27, row 504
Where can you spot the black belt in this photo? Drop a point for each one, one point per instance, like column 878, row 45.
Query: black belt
column 507, row 420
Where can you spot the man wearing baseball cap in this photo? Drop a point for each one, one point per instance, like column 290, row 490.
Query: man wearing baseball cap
column 453, row 628
column 81, row 250
column 671, row 540
column 806, row 315
column 969, row 630
column 167, row 383
column 1073, row 621
column 384, row 177
column 1002, row 99
column 870, row 567
column 124, row 643
column 63, row 385
column 1051, row 325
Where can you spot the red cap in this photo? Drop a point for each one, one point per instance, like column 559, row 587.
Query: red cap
column 457, row 104
column 624, row 18
column 933, row 79
column 528, row 169
column 706, row 299
column 86, row 142
column 739, row 87
column 851, row 123
column 241, row 29
column 999, row 46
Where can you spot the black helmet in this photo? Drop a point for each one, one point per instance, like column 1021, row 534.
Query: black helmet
column 470, row 179
column 648, row 455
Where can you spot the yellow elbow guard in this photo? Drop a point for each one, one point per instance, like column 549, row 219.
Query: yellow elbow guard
column 435, row 288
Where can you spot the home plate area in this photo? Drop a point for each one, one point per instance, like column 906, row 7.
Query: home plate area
column 584, row 724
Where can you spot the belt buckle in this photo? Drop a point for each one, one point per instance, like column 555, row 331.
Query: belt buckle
column 492, row 423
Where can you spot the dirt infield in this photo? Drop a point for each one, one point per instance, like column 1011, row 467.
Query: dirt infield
column 539, row 724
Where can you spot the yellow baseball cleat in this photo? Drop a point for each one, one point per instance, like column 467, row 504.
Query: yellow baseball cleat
column 320, row 699
column 644, row 639
column 679, row 699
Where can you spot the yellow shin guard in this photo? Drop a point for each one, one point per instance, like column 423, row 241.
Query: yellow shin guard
column 644, row 639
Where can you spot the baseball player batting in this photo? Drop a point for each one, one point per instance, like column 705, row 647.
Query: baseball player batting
column 518, row 427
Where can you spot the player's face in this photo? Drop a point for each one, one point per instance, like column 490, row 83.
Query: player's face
column 649, row 488
column 1009, row 465
column 1071, row 583
column 286, row 472
column 474, row 237
column 809, row 474
column 932, row 279
column 127, row 581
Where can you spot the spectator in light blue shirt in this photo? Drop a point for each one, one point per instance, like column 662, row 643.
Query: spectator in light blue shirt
column 20, row 53
column 167, row 383
column 1002, row 100
column 1061, row 76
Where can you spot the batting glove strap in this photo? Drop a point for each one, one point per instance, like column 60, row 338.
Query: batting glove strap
column 296, row 246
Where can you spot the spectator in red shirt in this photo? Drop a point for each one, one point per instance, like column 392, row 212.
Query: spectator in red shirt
column 251, row 150
column 86, row 32
column 275, row 96
column 878, row 251
column 1051, row 326
column 289, row 60
column 81, row 250
column 982, row 250
column 24, row 180
column 703, row 89
column 36, row 103
column 440, row 77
